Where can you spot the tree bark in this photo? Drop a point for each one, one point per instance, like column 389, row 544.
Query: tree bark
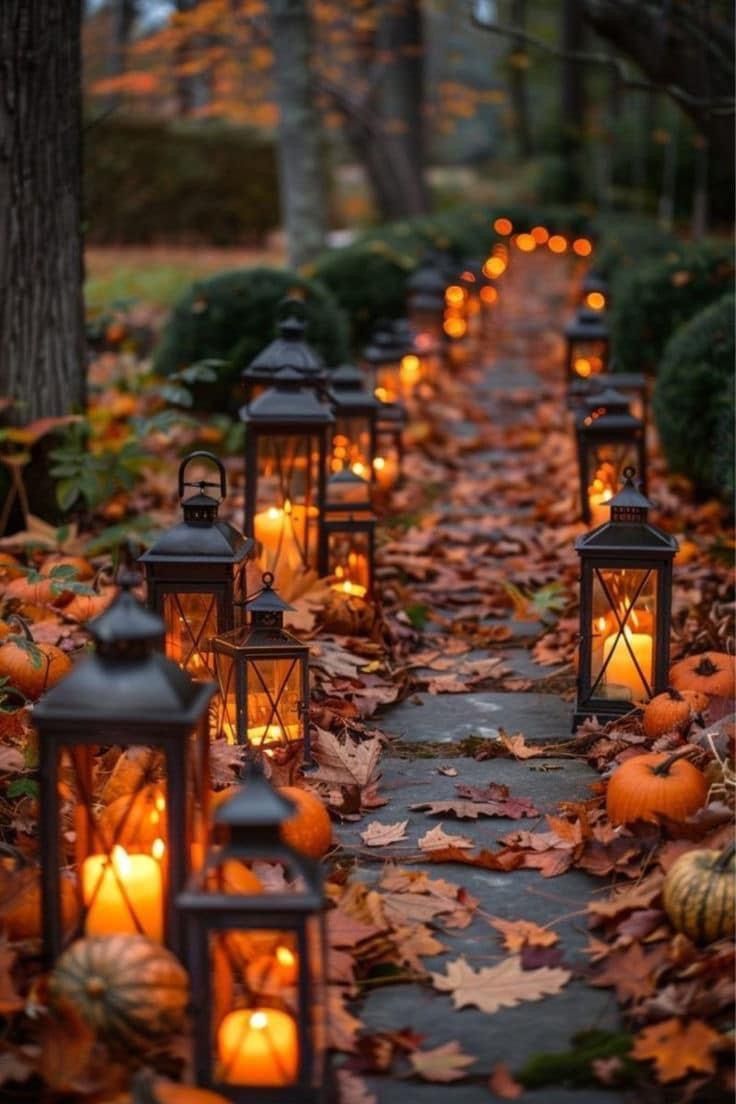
column 42, row 366
column 572, row 105
column 301, row 173
column 518, row 85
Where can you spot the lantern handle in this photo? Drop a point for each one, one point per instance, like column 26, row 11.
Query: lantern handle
column 291, row 306
column 202, row 483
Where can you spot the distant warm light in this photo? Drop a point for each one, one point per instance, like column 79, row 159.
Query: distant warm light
column 540, row 234
column 454, row 295
column 382, row 394
column 467, row 276
column 488, row 295
column 379, row 463
column 526, row 243
column 595, row 300
column 583, row 367
column 557, row 244
column 494, row 267
column 454, row 327
column 503, row 226
column 410, row 370
column 358, row 468
column 582, row 247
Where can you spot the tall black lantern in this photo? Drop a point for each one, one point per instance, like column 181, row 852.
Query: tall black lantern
column 625, row 603
column 382, row 359
column 426, row 298
column 197, row 572
column 289, row 350
column 263, row 679
column 256, row 956
column 286, row 449
column 356, row 411
column 390, row 426
column 587, row 343
column 349, row 534
column 609, row 440
column 632, row 385
column 124, row 783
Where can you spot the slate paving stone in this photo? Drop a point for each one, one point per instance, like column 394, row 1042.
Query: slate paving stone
column 409, row 1092
column 451, row 717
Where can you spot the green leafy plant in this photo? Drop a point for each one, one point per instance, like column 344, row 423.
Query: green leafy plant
column 88, row 479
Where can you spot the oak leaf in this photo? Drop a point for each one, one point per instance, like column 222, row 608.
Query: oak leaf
column 381, row 835
column 677, row 1048
column 522, row 933
column 501, row 986
column 438, row 837
column 441, row 1064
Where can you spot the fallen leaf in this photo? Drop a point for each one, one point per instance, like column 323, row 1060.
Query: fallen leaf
column 437, row 837
column 503, row 861
column 342, row 762
column 441, row 1064
column 677, row 1048
column 501, row 986
column 381, row 835
column 629, row 972
column 353, row 1090
column 10, row 1001
column 67, row 1041
column 503, row 1084
column 518, row 746
column 521, row 933
column 342, row 1027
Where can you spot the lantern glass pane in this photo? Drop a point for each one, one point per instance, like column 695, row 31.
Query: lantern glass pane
column 587, row 358
column 387, row 462
column 191, row 622
column 425, row 321
column 226, row 703
column 349, row 562
column 274, row 701
column 351, row 445
column 605, row 465
column 388, row 381
column 286, row 521
column 623, row 633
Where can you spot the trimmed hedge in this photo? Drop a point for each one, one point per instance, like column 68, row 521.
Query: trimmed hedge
column 650, row 301
column 629, row 240
column 694, row 401
column 151, row 181
column 232, row 316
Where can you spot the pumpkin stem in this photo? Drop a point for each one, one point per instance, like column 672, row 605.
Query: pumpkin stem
column 724, row 859
column 15, row 618
column 663, row 768
column 673, row 694
column 706, row 667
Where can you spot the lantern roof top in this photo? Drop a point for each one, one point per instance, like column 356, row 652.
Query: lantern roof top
column 289, row 400
column 290, row 348
column 606, row 411
column 593, row 282
column 587, row 325
column 267, row 600
column 347, row 389
column 428, row 278
column 629, row 531
column 255, row 804
column 388, row 343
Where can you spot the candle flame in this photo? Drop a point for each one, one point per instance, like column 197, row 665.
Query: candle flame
column 601, row 624
column 121, row 860
column 273, row 512
column 285, row 957
column 258, row 1021
column 595, row 300
column 454, row 295
column 379, row 463
column 158, row 847
column 358, row 468
column 583, row 367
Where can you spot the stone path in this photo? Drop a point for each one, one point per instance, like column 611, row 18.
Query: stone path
column 438, row 723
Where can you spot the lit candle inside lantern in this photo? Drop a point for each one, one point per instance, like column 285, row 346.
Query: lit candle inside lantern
column 118, row 888
column 410, row 372
column 583, row 367
column 272, row 972
column 387, row 470
column 351, row 588
column 258, row 1047
column 599, row 495
column 263, row 735
column 622, row 670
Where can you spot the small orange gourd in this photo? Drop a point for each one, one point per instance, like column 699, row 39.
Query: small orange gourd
column 699, row 894
column 671, row 711
column 31, row 668
column 309, row 829
column 647, row 787
column 711, row 673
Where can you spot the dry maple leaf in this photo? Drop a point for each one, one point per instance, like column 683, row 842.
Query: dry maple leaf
column 518, row 747
column 629, row 972
column 437, row 837
column 342, row 1027
column 502, row 1083
column 522, row 933
column 677, row 1048
column 441, row 1064
column 345, row 762
column 501, row 986
column 381, row 835
column 353, row 1090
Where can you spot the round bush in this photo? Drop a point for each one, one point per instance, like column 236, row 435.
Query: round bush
column 651, row 300
column 694, row 399
column 232, row 316
column 628, row 240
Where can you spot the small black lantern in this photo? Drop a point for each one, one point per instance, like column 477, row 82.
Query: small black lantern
column 256, row 956
column 594, row 292
column 625, row 604
column 263, row 679
column 587, row 342
column 289, row 350
column 356, row 411
column 426, row 298
column 609, row 440
column 286, row 448
column 632, row 385
column 196, row 572
column 349, row 533
column 390, row 425
column 382, row 359
column 124, row 784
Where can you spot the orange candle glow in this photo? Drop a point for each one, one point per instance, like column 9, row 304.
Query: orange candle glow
column 622, row 671
column 596, row 300
column 120, row 888
column 387, row 471
column 599, row 496
column 258, row 1047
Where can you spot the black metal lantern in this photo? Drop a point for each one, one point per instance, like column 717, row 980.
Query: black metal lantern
column 263, row 679
column 256, row 956
column 387, row 462
column 288, row 350
column 471, row 278
column 356, row 411
column 124, row 784
column 587, row 343
column 625, row 603
column 197, row 572
column 594, row 292
column 382, row 359
column 609, row 440
column 349, row 534
column 632, row 385
column 426, row 298
column 286, row 449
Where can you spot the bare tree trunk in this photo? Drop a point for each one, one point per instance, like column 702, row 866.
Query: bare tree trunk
column 301, row 172
column 42, row 365
column 572, row 40
column 518, row 85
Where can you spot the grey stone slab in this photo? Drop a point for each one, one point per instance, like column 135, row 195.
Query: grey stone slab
column 411, row 1092
column 451, row 717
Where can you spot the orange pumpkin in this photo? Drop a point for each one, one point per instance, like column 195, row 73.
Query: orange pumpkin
column 135, row 821
column 20, row 912
column 711, row 673
column 671, row 711
column 83, row 569
column 9, row 568
column 309, row 829
column 32, row 668
column 84, row 607
column 36, row 591
column 646, row 787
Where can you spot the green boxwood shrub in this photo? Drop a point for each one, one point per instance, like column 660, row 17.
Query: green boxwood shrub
column 651, row 300
column 151, row 181
column 625, row 241
column 694, row 399
column 231, row 317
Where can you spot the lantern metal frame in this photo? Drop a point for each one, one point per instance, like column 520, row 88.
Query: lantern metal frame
column 628, row 542
column 251, row 822
column 390, row 424
column 632, row 385
column 587, row 327
column 202, row 554
column 382, row 360
column 125, row 694
column 592, row 282
column 349, row 511
column 605, row 419
column 289, row 410
column 239, row 656
column 289, row 350
column 354, row 405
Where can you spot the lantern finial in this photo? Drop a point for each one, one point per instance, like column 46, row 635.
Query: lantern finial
column 629, row 505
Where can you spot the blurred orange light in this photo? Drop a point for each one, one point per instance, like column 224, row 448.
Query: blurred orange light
column 583, row 367
column 526, row 243
column 454, row 295
column 540, row 234
column 494, row 267
column 557, row 244
column 582, row 247
column 468, row 276
column 595, row 300
column 488, row 295
column 454, row 327
column 503, row 226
